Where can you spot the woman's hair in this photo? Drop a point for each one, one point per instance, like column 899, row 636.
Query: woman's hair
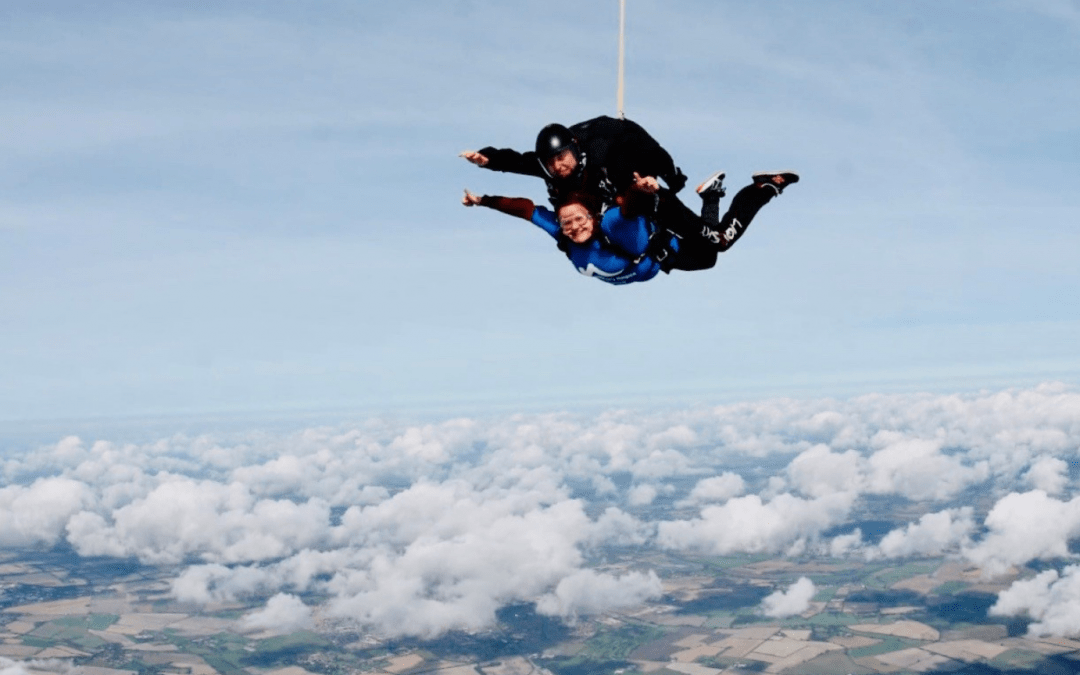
column 586, row 199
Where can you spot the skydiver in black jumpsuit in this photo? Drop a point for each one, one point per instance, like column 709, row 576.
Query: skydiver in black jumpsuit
column 604, row 156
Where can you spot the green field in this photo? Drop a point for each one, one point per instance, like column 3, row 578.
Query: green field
column 886, row 577
column 889, row 643
column 71, row 631
column 617, row 644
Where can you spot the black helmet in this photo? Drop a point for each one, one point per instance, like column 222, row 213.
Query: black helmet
column 553, row 139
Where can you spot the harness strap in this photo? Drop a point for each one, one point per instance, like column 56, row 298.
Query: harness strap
column 657, row 247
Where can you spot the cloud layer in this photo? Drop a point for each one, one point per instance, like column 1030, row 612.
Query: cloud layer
column 416, row 529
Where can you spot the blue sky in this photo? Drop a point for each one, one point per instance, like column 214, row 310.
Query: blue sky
column 254, row 205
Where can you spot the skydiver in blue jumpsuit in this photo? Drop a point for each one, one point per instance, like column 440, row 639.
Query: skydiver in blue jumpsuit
column 626, row 245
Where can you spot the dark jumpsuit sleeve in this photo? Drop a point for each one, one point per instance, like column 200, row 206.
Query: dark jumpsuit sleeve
column 512, row 161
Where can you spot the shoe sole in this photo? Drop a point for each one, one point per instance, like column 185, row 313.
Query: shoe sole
column 717, row 177
column 786, row 177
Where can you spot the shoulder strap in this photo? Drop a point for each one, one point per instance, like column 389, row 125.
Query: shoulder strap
column 654, row 247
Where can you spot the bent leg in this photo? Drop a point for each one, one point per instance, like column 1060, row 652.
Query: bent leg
column 744, row 206
column 673, row 215
column 719, row 232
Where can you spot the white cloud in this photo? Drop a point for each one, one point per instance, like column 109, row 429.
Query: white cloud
column 1023, row 527
column 1052, row 600
column 933, row 535
column 749, row 525
column 589, row 592
column 916, row 468
column 618, row 528
column 716, row 489
column 9, row 667
column 447, row 509
column 35, row 666
column 677, row 435
column 462, row 564
column 818, row 471
column 845, row 544
column 213, row 521
column 641, row 495
column 204, row 584
column 827, row 426
column 431, row 443
column 281, row 475
column 1048, row 474
column 661, row 464
column 282, row 614
column 38, row 514
column 795, row 600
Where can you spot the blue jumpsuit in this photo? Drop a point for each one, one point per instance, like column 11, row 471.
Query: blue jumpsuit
column 596, row 258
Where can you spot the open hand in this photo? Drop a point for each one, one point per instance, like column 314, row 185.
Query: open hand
column 474, row 157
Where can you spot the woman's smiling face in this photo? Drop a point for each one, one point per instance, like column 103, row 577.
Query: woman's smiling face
column 576, row 222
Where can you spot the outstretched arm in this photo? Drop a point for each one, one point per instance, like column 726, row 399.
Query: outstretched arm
column 505, row 160
column 513, row 206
